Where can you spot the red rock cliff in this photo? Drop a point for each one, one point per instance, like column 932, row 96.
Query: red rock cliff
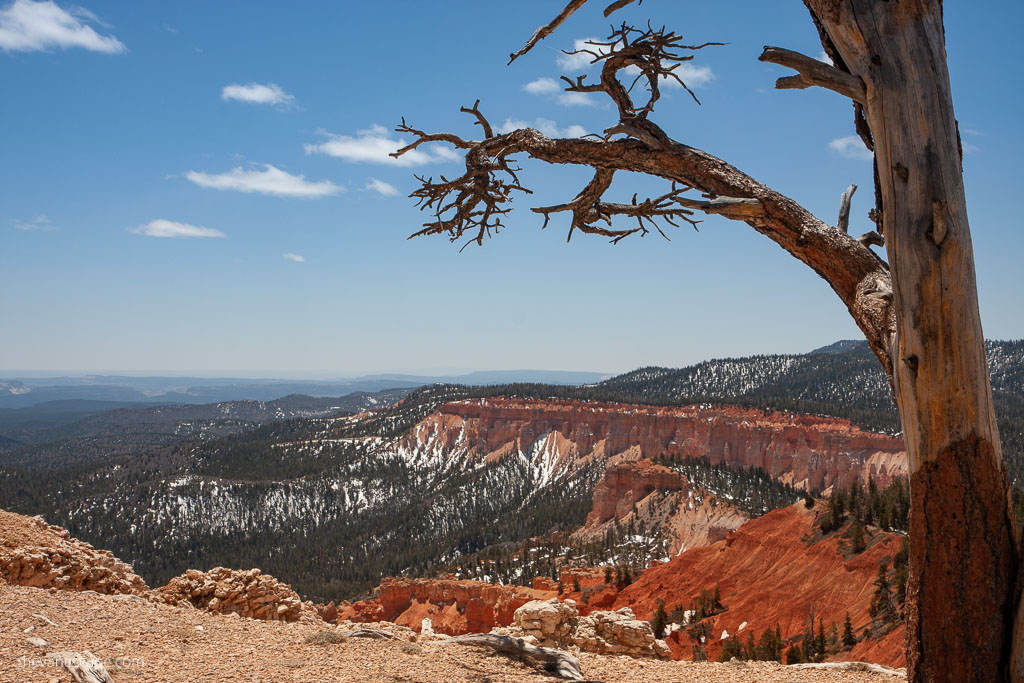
column 557, row 435
column 682, row 513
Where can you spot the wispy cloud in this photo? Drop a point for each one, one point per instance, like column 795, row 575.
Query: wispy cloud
column 542, row 86
column 822, row 57
column 294, row 257
column 40, row 222
column 851, row 147
column 576, row 99
column 165, row 228
column 386, row 189
column 257, row 93
column 270, row 180
column 374, row 144
column 545, row 126
column 27, row 26
column 580, row 61
column 549, row 87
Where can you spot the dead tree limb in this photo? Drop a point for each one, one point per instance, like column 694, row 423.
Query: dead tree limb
column 84, row 667
column 811, row 72
column 562, row 664
column 844, row 209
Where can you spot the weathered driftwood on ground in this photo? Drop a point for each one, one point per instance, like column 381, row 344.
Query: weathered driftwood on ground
column 562, row 664
column 853, row 666
column 84, row 667
column 369, row 633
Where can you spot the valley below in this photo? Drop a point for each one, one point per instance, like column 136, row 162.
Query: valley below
column 737, row 509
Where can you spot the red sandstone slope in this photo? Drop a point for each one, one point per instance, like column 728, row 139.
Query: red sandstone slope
column 683, row 514
column 768, row 573
column 560, row 434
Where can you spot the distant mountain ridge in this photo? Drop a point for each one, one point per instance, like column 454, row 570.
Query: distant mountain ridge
column 25, row 392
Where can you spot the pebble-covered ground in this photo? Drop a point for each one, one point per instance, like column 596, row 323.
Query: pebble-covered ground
column 144, row 641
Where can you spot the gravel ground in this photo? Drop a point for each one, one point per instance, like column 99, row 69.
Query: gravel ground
column 142, row 641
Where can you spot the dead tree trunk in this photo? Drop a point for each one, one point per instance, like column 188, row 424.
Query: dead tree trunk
column 963, row 551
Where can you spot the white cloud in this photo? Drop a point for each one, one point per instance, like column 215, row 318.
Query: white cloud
column 374, row 146
column 576, row 99
column 271, row 180
column 545, row 126
column 542, row 86
column 386, row 189
column 851, row 147
column 27, row 25
column 581, row 61
column 257, row 93
column 822, row 57
column 40, row 222
column 294, row 257
column 165, row 228
column 693, row 75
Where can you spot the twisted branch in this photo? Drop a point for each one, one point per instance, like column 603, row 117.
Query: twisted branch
column 588, row 208
column 476, row 203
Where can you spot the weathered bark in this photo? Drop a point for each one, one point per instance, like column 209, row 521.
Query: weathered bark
column 963, row 553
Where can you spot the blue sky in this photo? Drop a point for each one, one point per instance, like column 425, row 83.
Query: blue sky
column 202, row 187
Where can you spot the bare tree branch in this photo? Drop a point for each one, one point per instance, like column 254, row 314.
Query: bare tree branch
column 587, row 208
column 811, row 72
column 546, row 30
column 844, row 209
column 475, row 204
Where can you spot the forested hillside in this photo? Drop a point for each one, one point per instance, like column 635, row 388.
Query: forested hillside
column 331, row 503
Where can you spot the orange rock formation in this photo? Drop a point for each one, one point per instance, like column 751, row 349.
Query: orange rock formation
column 686, row 514
column 454, row 606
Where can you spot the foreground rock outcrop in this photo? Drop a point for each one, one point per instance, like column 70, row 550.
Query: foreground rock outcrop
column 557, row 623
column 34, row 553
column 803, row 450
column 249, row 593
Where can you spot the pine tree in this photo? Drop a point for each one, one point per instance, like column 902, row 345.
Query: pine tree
column 849, row 640
column 857, row 540
column 794, row 655
column 809, row 644
column 819, row 644
column 660, row 620
column 882, row 603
